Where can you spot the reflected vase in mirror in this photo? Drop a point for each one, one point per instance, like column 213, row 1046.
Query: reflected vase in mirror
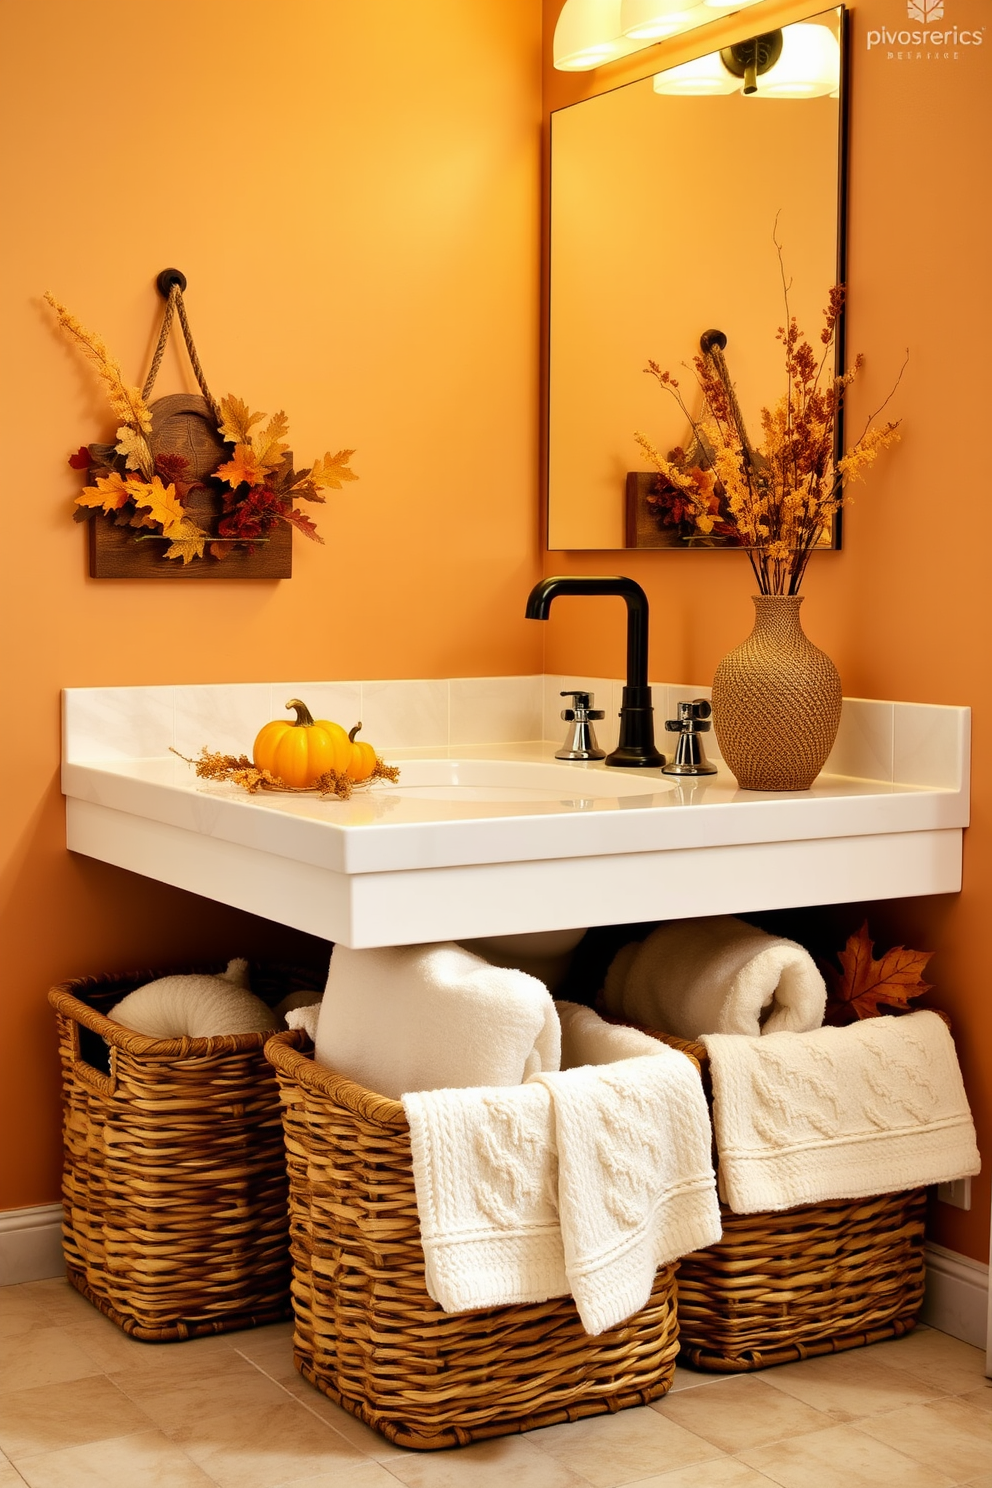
column 776, row 701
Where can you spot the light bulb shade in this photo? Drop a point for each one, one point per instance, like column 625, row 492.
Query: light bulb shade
column 809, row 66
column 649, row 20
column 697, row 79
column 588, row 34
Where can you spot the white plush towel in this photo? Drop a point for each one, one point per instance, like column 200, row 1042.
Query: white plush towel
column 716, row 975
column 306, row 1017
column 428, row 1017
column 196, row 1006
column 585, row 1181
column 842, row 1113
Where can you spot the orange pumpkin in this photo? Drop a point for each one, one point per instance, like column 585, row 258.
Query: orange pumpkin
column 299, row 751
column 363, row 758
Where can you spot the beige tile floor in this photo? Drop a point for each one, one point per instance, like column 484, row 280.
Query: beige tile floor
column 82, row 1406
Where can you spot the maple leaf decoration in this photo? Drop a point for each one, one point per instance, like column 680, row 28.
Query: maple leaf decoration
column 864, row 985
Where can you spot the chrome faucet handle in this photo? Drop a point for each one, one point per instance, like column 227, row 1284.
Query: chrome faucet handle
column 583, row 708
column 581, row 742
column 692, row 721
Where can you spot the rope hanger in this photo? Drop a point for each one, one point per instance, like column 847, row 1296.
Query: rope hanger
column 170, row 284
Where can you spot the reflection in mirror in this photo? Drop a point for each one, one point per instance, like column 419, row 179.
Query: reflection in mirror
column 664, row 213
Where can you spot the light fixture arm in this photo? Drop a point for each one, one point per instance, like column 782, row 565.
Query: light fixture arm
column 752, row 58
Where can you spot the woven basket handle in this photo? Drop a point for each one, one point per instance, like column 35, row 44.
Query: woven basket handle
column 82, row 1031
column 171, row 283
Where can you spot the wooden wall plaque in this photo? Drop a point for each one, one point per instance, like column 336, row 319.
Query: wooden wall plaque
column 116, row 554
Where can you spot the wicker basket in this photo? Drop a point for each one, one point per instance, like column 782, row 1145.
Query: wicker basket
column 816, row 1279
column 367, row 1333
column 174, row 1184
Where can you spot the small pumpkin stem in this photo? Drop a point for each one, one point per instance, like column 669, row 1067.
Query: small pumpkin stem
column 304, row 718
column 354, row 731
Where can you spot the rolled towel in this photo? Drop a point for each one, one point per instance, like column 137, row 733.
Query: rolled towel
column 716, row 975
column 840, row 1113
column 584, row 1181
column 428, row 1017
column 196, row 1006
column 305, row 1016
column 293, row 1000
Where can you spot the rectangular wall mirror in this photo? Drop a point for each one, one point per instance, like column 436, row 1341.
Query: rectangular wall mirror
column 664, row 212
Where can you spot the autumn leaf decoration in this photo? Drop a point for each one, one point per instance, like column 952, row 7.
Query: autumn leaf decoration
column 259, row 486
column 263, row 487
column 865, row 987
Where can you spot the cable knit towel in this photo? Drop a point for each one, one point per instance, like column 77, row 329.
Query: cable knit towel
column 716, row 975
column 428, row 1017
column 842, row 1113
column 585, row 1181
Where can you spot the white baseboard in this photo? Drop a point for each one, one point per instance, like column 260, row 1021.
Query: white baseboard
column 31, row 1244
column 957, row 1295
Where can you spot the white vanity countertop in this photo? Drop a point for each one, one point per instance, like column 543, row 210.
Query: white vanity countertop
column 386, row 828
column 455, row 851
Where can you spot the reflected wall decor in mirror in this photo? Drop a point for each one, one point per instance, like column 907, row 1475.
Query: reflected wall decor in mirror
column 665, row 210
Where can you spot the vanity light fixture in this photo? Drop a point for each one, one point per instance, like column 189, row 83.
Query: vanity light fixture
column 591, row 32
column 588, row 34
column 650, row 20
column 701, row 78
column 802, row 61
column 809, row 66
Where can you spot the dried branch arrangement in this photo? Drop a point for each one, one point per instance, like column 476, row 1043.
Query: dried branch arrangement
column 777, row 499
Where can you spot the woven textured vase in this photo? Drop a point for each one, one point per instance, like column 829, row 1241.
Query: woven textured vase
column 776, row 701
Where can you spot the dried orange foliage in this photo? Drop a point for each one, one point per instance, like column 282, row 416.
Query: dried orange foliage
column 864, row 985
column 778, row 499
column 238, row 769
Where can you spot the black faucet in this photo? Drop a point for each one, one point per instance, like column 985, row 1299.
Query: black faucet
column 636, row 745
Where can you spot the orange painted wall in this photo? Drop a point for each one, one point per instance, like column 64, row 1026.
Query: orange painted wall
column 352, row 191
column 906, row 609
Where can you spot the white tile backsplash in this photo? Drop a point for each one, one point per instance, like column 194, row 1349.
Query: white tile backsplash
column 224, row 718
column 109, row 723
column 863, row 747
column 494, row 710
column 930, row 745
column 909, row 743
column 405, row 714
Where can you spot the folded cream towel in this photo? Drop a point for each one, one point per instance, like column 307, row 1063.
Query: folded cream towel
column 585, row 1181
column 716, row 975
column 841, row 1113
column 431, row 1017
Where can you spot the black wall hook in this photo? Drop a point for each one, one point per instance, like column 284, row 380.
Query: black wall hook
column 167, row 279
column 709, row 339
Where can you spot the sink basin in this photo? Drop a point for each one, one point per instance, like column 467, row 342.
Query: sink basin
column 521, row 781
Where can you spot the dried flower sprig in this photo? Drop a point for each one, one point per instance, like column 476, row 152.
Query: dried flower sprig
column 777, row 500
column 238, row 769
column 125, row 400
